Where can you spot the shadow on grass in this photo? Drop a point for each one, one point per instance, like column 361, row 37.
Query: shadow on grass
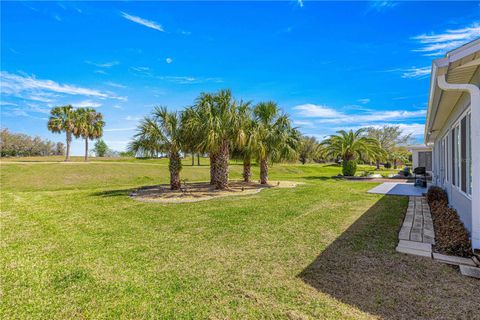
column 319, row 178
column 114, row 193
column 361, row 268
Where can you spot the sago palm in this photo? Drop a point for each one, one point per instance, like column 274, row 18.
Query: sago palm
column 161, row 132
column 276, row 140
column 62, row 119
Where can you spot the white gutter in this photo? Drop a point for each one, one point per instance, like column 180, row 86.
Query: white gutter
column 474, row 92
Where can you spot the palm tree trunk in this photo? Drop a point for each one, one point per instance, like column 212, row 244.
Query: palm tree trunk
column 213, row 168
column 69, row 140
column 264, row 171
column 198, row 159
column 86, row 149
column 193, row 159
column 174, row 165
column 394, row 164
column 221, row 166
column 378, row 164
column 247, row 173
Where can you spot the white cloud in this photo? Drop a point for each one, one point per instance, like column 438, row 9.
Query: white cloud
column 380, row 5
column 364, row 101
column 19, row 85
column 132, row 118
column 189, row 80
column 119, row 129
column 169, row 60
column 415, row 72
column 86, row 104
column 316, row 111
column 300, row 3
column 142, row 70
column 375, row 116
column 302, row 123
column 117, row 107
column 115, row 85
column 104, row 64
column 434, row 44
column 328, row 115
column 144, row 22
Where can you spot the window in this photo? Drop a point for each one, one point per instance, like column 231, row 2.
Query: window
column 445, row 157
column 469, row 138
column 453, row 139
column 463, row 154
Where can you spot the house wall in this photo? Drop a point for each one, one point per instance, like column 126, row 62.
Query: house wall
column 457, row 199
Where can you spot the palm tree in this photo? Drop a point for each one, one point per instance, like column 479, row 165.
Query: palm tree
column 88, row 125
column 215, row 119
column 161, row 132
column 350, row 146
column 62, row 119
column 276, row 139
column 247, row 150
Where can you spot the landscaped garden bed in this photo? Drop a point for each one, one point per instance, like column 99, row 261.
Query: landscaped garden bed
column 451, row 236
column 200, row 191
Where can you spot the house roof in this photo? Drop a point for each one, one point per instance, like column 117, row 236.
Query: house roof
column 458, row 66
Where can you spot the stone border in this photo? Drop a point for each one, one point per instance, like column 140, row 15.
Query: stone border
column 417, row 236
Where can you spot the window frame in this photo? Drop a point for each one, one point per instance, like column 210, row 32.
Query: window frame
column 455, row 133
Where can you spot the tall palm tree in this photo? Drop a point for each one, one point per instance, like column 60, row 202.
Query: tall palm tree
column 88, row 125
column 62, row 119
column 161, row 132
column 276, row 139
column 350, row 146
column 247, row 151
column 216, row 121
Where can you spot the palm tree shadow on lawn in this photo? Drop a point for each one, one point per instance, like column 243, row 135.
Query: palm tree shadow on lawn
column 361, row 268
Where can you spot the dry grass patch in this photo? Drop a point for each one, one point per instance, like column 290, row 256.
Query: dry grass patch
column 200, row 191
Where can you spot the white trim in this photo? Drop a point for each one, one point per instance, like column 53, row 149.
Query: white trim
column 474, row 92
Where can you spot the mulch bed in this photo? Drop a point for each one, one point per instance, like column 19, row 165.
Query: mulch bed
column 451, row 236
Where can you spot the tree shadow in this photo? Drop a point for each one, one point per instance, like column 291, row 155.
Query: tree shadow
column 320, row 178
column 361, row 268
column 114, row 193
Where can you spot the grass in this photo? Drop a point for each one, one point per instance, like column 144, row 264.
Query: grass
column 74, row 245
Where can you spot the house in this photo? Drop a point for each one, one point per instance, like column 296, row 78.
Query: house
column 421, row 157
column 453, row 130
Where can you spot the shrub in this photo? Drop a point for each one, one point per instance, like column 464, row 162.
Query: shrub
column 349, row 168
column 387, row 165
column 435, row 194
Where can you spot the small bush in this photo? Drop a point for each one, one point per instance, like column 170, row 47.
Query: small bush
column 436, row 194
column 387, row 165
column 349, row 168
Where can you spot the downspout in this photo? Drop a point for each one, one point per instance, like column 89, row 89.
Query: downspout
column 474, row 92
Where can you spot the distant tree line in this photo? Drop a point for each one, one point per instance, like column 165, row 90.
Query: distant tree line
column 22, row 145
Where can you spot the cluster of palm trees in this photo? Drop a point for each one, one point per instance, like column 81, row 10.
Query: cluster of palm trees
column 222, row 127
column 84, row 123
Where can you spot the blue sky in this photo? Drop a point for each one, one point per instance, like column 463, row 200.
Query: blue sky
column 329, row 65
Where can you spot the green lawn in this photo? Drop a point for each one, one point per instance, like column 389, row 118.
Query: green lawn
column 74, row 245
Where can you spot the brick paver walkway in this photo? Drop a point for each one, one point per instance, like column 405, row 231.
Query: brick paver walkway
column 418, row 224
